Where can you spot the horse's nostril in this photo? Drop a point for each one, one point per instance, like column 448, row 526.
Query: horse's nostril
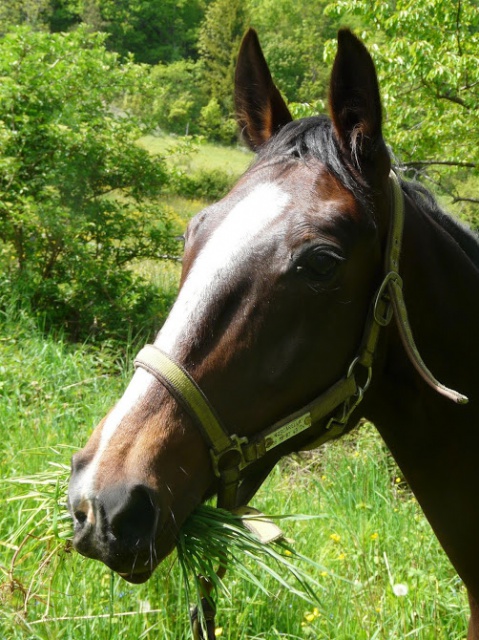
column 134, row 518
column 84, row 513
column 80, row 517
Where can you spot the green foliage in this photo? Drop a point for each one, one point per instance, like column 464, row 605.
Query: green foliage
column 213, row 537
column 215, row 126
column 63, row 15
column 208, row 184
column 177, row 96
column 218, row 43
column 426, row 54
column 292, row 34
column 66, row 235
column 29, row 12
column 427, row 59
column 152, row 31
column 198, row 169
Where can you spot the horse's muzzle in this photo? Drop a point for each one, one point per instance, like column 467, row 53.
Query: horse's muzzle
column 119, row 526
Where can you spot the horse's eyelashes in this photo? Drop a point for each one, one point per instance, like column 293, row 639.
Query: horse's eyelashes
column 318, row 265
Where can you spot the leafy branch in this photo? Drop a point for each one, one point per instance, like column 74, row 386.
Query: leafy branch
column 447, row 163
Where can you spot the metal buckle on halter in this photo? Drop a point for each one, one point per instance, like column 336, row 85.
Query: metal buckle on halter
column 237, row 446
column 337, row 423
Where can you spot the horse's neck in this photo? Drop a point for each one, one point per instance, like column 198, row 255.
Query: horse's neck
column 441, row 286
column 434, row 441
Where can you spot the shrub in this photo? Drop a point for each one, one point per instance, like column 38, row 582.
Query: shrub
column 210, row 185
column 177, row 96
column 215, row 126
column 75, row 189
column 177, row 101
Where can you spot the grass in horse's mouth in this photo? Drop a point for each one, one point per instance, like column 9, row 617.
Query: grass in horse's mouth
column 212, row 538
column 209, row 539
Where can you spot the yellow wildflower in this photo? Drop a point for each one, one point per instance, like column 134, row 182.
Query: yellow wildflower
column 374, row 536
column 310, row 616
column 335, row 537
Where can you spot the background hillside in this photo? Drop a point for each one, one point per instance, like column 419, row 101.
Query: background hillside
column 91, row 89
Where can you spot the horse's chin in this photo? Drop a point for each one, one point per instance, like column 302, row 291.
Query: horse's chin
column 136, row 578
column 139, row 576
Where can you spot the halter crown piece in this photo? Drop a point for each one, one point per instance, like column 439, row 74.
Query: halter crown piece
column 325, row 417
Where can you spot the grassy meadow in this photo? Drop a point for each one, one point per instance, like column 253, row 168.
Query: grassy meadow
column 380, row 571
column 205, row 156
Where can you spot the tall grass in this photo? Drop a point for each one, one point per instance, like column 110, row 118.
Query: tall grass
column 371, row 536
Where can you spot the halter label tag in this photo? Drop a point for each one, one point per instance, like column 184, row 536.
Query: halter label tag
column 288, row 431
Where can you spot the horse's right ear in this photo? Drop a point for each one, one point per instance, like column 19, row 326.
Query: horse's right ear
column 260, row 109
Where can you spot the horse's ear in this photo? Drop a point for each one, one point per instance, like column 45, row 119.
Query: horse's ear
column 260, row 109
column 354, row 100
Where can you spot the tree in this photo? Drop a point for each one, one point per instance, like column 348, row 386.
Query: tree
column 74, row 185
column 427, row 58
column 152, row 30
column 218, row 43
column 292, row 34
column 177, row 96
column 64, row 15
column 30, row 12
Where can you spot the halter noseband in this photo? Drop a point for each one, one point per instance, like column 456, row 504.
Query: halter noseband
column 325, row 417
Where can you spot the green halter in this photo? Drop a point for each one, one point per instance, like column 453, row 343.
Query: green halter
column 325, row 417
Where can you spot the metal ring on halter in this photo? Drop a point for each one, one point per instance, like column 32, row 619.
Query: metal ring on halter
column 369, row 371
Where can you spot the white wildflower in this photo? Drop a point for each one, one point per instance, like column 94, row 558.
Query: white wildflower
column 400, row 590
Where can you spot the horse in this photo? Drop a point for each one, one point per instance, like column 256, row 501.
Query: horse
column 322, row 289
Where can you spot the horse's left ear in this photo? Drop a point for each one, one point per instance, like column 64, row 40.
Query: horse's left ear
column 354, row 101
column 260, row 109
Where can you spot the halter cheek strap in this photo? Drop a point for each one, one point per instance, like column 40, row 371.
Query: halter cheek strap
column 188, row 394
column 326, row 416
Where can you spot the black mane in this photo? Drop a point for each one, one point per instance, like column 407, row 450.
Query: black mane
column 425, row 201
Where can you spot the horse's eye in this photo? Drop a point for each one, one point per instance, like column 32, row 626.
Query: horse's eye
column 319, row 265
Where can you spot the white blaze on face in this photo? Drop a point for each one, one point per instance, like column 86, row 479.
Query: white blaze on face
column 135, row 391
column 217, row 259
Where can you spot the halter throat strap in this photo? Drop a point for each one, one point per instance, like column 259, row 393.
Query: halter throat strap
column 326, row 416
column 398, row 305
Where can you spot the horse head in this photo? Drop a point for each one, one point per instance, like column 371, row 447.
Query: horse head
column 276, row 287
